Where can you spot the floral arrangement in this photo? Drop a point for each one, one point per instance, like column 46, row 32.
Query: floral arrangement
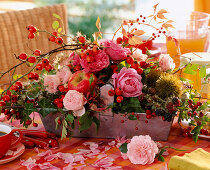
column 141, row 83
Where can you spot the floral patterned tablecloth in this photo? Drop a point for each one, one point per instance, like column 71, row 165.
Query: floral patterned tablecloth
column 71, row 146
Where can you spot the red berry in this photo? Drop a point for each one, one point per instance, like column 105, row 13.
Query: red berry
column 129, row 60
column 148, row 116
column 13, row 112
column 185, row 134
column 31, row 59
column 83, row 55
column 59, row 40
column 143, row 64
column 62, row 97
column 202, row 131
column 119, row 99
column 77, row 68
column 14, row 98
column 37, row 52
column 81, row 39
column 111, row 92
column 61, row 88
column 194, row 113
column 8, row 117
column 199, row 103
column 9, row 93
column 60, row 105
column 139, row 70
column 14, row 87
column 45, row 62
column 39, row 66
column 135, row 66
column 2, row 103
column 122, row 121
column 119, row 40
column 146, row 121
column 52, row 39
column 31, row 29
column 56, row 101
column 28, row 122
column 6, row 111
column 35, row 124
column 23, row 56
column 118, row 91
column 148, row 112
column 95, row 49
column 189, row 113
column 31, row 35
column 206, row 132
column 31, row 76
column 198, row 123
column 19, row 84
column 154, row 114
column 48, row 67
column 201, row 114
column 59, row 121
column 6, row 98
column 113, row 66
column 55, row 33
column 190, row 101
column 36, row 76
column 136, row 128
column 89, row 52
column 125, row 39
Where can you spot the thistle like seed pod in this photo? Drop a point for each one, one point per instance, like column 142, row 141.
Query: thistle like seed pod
column 152, row 77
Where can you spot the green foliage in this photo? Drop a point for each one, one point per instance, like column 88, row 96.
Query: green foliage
column 55, row 25
column 85, row 122
column 132, row 117
column 97, row 123
column 123, row 148
column 29, row 108
column 191, row 69
column 202, row 72
column 46, row 107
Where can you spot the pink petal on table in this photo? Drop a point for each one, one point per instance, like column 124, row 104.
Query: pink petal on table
column 112, row 143
column 46, row 153
column 48, row 166
column 67, row 157
column 36, row 150
column 69, row 167
column 124, row 155
column 79, row 158
column 50, row 157
column 107, row 148
column 80, row 167
column 103, row 163
column 114, row 168
column 28, row 162
column 159, row 145
column 92, row 145
column 101, row 156
column 165, row 167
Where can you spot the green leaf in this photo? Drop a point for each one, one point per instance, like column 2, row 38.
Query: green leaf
column 91, row 79
column 59, row 30
column 64, row 132
column 29, row 108
column 161, row 158
column 46, row 107
column 56, row 16
column 123, row 148
column 191, row 69
column 202, row 107
column 56, row 122
column 132, row 117
column 202, row 71
column 55, row 25
column 97, row 123
column 70, row 118
column 85, row 122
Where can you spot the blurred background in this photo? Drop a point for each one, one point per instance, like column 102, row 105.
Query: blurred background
column 83, row 13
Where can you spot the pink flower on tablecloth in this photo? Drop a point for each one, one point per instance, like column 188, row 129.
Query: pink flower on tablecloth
column 51, row 82
column 100, row 61
column 166, row 62
column 75, row 101
column 142, row 150
column 115, row 51
column 64, row 74
column 129, row 81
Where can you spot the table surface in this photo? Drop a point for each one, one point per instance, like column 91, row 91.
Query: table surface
column 70, row 146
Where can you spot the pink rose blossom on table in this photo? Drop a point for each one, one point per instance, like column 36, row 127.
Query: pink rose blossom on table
column 142, row 150
column 75, row 101
column 129, row 81
column 115, row 51
column 100, row 61
column 166, row 62
column 51, row 82
column 139, row 56
column 64, row 74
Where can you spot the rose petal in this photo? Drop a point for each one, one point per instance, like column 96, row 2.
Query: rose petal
column 67, row 157
column 46, row 153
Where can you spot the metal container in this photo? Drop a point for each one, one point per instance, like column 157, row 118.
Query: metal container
column 111, row 126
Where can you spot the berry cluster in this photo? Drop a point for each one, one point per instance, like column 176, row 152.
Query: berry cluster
column 89, row 54
column 118, row 92
column 55, row 38
column 32, row 30
column 59, row 101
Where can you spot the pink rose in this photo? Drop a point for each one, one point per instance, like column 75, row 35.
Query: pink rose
column 75, row 58
column 75, row 101
column 64, row 74
column 142, row 150
column 166, row 62
column 100, row 61
column 51, row 82
column 139, row 56
column 129, row 81
column 115, row 51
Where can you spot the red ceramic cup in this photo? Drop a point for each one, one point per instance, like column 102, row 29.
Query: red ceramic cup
column 6, row 140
